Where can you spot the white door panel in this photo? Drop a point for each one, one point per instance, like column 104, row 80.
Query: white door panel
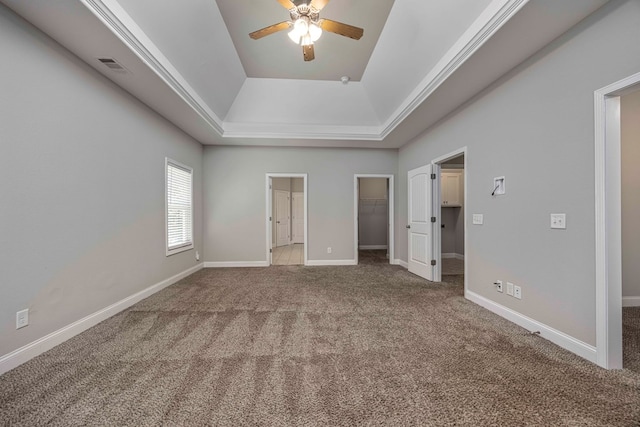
column 282, row 218
column 420, row 225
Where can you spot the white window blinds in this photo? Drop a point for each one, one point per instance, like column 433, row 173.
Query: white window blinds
column 179, row 207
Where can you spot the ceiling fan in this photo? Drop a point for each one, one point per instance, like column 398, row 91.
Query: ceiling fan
column 307, row 26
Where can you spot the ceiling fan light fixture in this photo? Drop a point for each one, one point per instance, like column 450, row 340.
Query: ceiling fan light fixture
column 306, row 40
column 294, row 36
column 301, row 26
column 315, row 32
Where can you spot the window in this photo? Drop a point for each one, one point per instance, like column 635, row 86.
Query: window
column 179, row 207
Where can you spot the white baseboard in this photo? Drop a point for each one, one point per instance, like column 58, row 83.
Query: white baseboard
column 321, row 262
column 372, row 247
column 452, row 255
column 631, row 301
column 565, row 341
column 401, row 263
column 39, row 346
column 224, row 264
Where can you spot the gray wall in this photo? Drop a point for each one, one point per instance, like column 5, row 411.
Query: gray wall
column 630, row 151
column 234, row 227
column 535, row 126
column 83, row 193
column 373, row 212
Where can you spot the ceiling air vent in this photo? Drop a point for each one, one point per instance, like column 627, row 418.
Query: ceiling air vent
column 112, row 64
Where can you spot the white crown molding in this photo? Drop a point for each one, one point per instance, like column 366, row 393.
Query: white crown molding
column 487, row 24
column 39, row 346
column 490, row 21
column 137, row 42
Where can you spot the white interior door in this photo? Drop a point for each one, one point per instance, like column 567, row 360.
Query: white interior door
column 282, row 218
column 420, row 227
column 297, row 217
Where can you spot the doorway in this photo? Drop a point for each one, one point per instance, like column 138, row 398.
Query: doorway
column 286, row 219
column 451, row 224
column 609, row 220
column 373, row 219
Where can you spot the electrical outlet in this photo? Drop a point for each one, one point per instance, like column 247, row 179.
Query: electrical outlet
column 559, row 220
column 329, row 250
column 22, row 318
column 517, row 292
column 498, row 284
column 509, row 288
column 478, row 219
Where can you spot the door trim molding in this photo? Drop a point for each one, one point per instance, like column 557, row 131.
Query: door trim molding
column 390, row 207
column 608, row 222
column 269, row 200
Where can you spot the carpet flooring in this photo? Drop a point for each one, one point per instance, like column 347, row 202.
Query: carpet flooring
column 631, row 338
column 289, row 345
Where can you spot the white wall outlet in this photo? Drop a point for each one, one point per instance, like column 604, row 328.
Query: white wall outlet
column 197, row 256
column 559, row 220
column 498, row 186
column 517, row 292
column 498, row 284
column 22, row 318
column 329, row 250
column 509, row 288
column 478, row 219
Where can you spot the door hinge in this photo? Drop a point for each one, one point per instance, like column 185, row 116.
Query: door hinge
column 269, row 186
column 433, row 176
column 433, row 262
column 270, row 251
column 433, row 219
column 269, row 218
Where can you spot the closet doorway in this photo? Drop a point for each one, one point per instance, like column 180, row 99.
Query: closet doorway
column 373, row 219
column 452, row 226
column 287, row 219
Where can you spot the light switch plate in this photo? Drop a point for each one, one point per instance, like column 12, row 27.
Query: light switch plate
column 478, row 219
column 559, row 220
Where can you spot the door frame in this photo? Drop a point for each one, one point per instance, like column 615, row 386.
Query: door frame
column 269, row 203
column 608, row 221
column 437, row 232
column 390, row 217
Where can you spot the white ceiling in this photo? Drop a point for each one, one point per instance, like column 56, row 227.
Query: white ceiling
column 221, row 87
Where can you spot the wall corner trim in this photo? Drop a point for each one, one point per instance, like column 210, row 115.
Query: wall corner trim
column 39, row 346
column 235, row 264
column 561, row 339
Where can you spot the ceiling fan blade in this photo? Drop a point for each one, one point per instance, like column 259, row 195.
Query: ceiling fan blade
column 287, row 4
column 270, row 30
column 308, row 53
column 319, row 4
column 342, row 29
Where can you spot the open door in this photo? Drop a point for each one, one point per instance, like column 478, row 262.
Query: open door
column 420, row 227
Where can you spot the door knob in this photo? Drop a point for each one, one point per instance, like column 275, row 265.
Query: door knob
column 408, row 226
column 277, row 222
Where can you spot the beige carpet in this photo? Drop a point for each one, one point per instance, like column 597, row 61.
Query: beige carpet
column 281, row 346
